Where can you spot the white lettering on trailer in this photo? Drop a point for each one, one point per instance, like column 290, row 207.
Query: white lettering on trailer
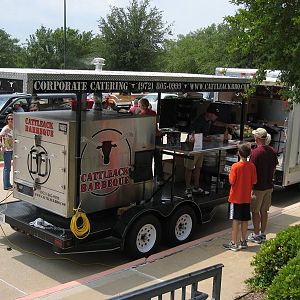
column 215, row 86
column 85, row 86
column 60, row 85
column 108, row 85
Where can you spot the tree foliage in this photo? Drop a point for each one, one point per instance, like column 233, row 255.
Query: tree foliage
column 270, row 30
column 202, row 51
column 10, row 51
column 133, row 37
column 45, row 49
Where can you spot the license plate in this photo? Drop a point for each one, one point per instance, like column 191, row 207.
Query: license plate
column 2, row 218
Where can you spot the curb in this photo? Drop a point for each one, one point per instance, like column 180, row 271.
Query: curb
column 142, row 261
column 83, row 280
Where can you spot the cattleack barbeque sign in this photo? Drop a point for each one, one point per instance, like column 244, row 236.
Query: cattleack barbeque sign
column 146, row 86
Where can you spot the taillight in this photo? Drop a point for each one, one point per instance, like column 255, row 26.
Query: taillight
column 58, row 243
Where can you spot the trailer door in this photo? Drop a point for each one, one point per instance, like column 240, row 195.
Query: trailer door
column 40, row 173
column 291, row 170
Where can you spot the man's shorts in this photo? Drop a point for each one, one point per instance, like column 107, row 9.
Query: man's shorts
column 197, row 162
column 261, row 200
column 239, row 211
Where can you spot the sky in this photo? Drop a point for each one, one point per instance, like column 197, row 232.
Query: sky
column 20, row 18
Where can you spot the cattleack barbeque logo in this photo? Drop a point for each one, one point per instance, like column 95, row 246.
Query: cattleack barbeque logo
column 40, row 127
column 39, row 165
column 105, row 163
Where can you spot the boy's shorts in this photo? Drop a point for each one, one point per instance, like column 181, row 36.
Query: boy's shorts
column 240, row 212
column 261, row 200
column 197, row 162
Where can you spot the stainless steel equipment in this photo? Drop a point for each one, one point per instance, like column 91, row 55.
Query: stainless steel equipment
column 112, row 145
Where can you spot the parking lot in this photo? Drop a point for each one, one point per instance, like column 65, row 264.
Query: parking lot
column 29, row 265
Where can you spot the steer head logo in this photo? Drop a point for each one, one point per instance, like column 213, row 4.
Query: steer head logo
column 106, row 149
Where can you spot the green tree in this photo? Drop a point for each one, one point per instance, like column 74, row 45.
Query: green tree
column 133, row 37
column 202, row 51
column 45, row 49
column 270, row 30
column 10, row 51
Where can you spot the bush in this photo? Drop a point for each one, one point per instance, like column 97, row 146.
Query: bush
column 272, row 256
column 286, row 284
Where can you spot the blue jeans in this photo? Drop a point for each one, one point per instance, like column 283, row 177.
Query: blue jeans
column 7, row 155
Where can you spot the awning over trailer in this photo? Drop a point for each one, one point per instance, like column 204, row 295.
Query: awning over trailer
column 43, row 81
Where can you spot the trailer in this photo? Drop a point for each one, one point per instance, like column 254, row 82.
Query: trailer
column 84, row 180
column 265, row 108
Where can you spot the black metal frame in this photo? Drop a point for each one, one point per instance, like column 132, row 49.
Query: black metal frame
column 181, row 282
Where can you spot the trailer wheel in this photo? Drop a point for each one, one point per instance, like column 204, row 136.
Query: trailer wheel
column 180, row 226
column 144, row 237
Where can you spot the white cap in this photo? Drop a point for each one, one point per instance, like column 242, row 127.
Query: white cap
column 262, row 133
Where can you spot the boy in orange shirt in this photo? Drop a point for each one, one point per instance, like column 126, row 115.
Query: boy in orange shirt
column 242, row 177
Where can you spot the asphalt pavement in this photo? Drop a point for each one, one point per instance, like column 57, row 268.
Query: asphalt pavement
column 168, row 264
column 174, row 262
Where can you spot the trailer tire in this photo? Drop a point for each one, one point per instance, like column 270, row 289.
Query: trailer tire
column 180, row 226
column 143, row 237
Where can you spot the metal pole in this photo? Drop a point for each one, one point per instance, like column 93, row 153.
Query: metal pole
column 65, row 33
column 243, row 110
column 77, row 149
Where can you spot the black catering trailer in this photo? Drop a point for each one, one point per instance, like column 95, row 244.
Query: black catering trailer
column 96, row 165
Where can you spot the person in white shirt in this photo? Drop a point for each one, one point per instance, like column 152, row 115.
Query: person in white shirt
column 6, row 138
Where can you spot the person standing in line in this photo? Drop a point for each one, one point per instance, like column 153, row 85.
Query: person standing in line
column 6, row 137
column 242, row 177
column 265, row 159
column 143, row 104
column 268, row 140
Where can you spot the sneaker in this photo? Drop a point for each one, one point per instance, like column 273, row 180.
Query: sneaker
column 243, row 244
column 254, row 238
column 262, row 237
column 188, row 193
column 200, row 191
column 10, row 188
column 231, row 246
